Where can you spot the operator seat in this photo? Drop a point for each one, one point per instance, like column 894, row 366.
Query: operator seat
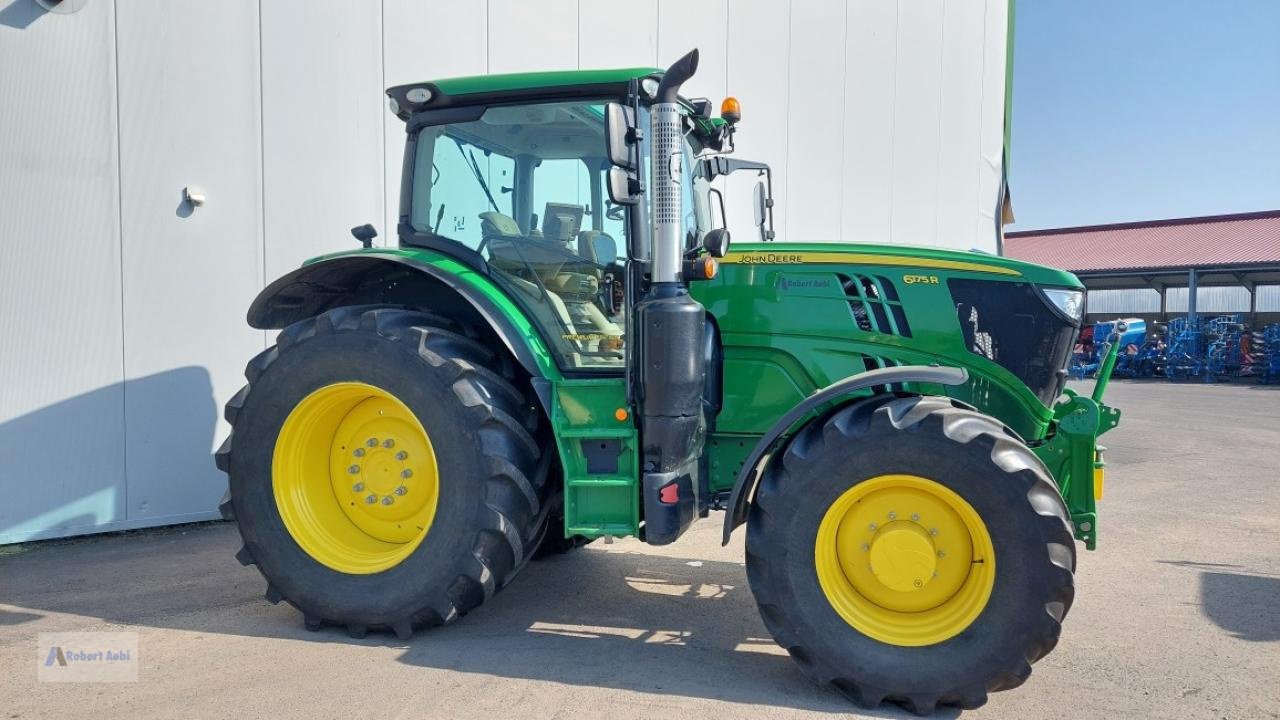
column 495, row 224
column 497, row 232
column 597, row 247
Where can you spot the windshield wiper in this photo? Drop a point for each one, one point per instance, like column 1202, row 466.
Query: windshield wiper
column 470, row 158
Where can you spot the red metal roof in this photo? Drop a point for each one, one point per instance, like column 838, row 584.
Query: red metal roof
column 1198, row 242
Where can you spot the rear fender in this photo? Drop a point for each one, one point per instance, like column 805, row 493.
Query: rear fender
column 753, row 467
column 394, row 277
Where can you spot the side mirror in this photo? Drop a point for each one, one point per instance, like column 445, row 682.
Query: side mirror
column 624, row 187
column 620, row 135
column 716, row 242
column 760, row 206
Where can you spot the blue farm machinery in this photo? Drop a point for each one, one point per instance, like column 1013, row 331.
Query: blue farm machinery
column 1208, row 349
column 1133, row 359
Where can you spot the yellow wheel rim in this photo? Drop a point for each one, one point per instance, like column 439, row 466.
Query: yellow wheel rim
column 905, row 560
column 355, row 478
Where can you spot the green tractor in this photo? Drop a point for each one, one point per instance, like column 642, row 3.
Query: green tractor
column 563, row 347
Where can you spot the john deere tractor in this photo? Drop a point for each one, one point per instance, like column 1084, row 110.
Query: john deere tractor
column 563, row 346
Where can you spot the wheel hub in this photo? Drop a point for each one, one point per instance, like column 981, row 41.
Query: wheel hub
column 903, row 557
column 355, row 478
column 905, row 560
column 377, row 461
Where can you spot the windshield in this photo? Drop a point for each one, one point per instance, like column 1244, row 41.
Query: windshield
column 523, row 186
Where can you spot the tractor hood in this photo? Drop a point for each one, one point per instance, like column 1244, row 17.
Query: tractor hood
column 904, row 256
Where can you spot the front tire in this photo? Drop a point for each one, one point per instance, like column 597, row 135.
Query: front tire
column 385, row 471
column 911, row 549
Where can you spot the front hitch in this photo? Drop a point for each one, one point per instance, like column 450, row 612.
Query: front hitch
column 1071, row 449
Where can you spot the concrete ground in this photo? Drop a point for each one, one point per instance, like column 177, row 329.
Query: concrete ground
column 1177, row 615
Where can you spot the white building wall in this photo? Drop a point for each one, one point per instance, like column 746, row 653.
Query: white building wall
column 122, row 308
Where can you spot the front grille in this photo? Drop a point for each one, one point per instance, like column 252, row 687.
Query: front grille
column 1015, row 326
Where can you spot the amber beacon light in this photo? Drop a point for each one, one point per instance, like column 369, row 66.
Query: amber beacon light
column 731, row 110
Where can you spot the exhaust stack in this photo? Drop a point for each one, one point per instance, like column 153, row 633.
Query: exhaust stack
column 666, row 171
column 672, row 329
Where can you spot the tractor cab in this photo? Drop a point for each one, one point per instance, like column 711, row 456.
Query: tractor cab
column 520, row 188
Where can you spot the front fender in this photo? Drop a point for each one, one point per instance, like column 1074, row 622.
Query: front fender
column 403, row 277
column 749, row 476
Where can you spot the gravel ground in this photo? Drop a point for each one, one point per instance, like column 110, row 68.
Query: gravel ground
column 1176, row 615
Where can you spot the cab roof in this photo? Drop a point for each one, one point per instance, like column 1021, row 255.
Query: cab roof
column 474, row 89
column 523, row 81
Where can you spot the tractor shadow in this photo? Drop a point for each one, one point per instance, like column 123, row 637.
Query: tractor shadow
column 636, row 622
column 601, row 616
column 1242, row 603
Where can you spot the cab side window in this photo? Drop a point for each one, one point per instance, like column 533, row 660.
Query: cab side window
column 447, row 198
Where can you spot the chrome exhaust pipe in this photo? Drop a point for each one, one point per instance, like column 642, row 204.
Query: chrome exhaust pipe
column 666, row 171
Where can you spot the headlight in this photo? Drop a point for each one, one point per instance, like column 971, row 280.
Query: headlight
column 1070, row 302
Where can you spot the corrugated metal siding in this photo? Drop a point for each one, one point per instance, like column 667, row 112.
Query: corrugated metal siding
column 883, row 122
column 1268, row 298
column 1209, row 299
column 1229, row 299
column 1115, row 302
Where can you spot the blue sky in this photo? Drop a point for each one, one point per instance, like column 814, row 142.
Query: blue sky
column 1144, row 109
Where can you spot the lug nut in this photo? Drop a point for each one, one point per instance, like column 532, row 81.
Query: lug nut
column 359, row 452
column 354, row 469
column 933, row 531
column 371, row 442
column 893, row 515
column 942, row 553
column 371, row 499
column 872, row 527
column 406, row 473
column 402, row 490
column 358, row 487
column 915, row 517
column 388, row 500
column 402, row 455
column 865, row 547
column 388, row 443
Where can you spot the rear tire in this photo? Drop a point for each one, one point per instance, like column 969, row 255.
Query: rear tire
column 969, row 454
column 490, row 457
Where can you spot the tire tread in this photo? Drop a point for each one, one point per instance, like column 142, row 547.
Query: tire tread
column 483, row 383
column 961, row 425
